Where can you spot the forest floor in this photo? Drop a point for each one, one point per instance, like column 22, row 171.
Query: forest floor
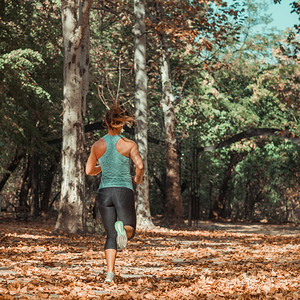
column 212, row 261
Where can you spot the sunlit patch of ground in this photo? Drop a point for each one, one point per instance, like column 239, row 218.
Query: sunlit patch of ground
column 215, row 261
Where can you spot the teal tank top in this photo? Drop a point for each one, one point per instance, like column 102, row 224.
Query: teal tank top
column 115, row 166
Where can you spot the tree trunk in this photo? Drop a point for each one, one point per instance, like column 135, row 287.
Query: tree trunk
column 45, row 201
column 174, row 207
column 75, row 22
column 13, row 165
column 144, row 220
column 35, row 201
column 26, row 184
column 252, row 197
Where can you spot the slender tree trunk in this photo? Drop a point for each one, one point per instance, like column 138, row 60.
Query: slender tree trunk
column 11, row 168
column 45, row 201
column 35, row 201
column 144, row 220
column 47, row 192
column 253, row 195
column 26, row 184
column 174, row 207
column 75, row 22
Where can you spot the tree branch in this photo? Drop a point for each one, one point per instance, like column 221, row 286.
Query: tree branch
column 10, row 169
column 251, row 133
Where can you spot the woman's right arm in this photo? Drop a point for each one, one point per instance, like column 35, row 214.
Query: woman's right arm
column 138, row 162
column 91, row 167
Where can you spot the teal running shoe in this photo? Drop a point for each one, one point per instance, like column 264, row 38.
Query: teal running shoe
column 110, row 276
column 121, row 235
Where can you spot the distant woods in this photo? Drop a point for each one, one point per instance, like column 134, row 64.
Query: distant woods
column 217, row 105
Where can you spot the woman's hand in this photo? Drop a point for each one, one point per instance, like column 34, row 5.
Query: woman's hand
column 137, row 180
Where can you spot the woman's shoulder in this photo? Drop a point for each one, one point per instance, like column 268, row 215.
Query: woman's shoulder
column 100, row 142
column 99, row 147
column 128, row 141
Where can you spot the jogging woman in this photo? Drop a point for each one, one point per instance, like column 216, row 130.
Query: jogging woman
column 115, row 195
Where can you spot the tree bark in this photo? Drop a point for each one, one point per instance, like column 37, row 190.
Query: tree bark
column 144, row 220
column 75, row 22
column 174, row 207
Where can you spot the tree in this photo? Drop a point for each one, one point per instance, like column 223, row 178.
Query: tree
column 144, row 220
column 75, row 22
column 174, row 207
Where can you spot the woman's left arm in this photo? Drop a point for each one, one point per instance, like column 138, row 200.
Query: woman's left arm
column 91, row 167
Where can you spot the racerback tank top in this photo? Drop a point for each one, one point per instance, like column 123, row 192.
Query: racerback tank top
column 115, row 166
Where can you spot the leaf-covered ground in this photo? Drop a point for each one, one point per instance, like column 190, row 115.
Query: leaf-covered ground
column 216, row 261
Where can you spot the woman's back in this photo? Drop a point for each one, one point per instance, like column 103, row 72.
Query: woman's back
column 114, row 162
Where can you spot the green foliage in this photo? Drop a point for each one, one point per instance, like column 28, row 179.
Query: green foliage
column 252, row 91
column 263, row 178
column 31, row 81
column 30, row 87
column 19, row 65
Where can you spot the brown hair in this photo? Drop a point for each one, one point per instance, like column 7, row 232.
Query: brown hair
column 117, row 117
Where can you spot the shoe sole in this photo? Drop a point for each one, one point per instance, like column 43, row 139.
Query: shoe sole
column 121, row 235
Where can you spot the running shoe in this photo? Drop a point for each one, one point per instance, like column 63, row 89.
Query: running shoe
column 121, row 235
column 110, row 276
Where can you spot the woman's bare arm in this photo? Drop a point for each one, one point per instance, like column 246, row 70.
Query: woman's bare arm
column 91, row 167
column 138, row 162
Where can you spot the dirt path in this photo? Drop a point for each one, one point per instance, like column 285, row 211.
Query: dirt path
column 216, row 261
column 268, row 229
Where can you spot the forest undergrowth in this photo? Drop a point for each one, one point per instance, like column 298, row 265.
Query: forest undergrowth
column 212, row 261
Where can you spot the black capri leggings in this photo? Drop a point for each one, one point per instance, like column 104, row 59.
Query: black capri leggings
column 116, row 203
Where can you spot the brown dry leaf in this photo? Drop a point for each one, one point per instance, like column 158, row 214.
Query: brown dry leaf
column 209, row 262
